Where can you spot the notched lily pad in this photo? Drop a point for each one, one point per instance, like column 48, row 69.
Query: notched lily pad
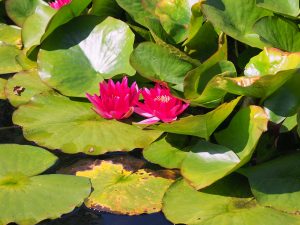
column 57, row 122
column 28, row 198
column 123, row 188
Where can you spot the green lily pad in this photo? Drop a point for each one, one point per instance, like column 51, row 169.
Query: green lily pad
column 25, row 62
column 23, row 86
column 45, row 20
column 199, row 84
column 57, row 122
column 258, row 86
column 105, row 8
column 121, row 190
column 200, row 125
column 244, row 131
column 285, row 101
column 227, row 202
column 279, row 33
column 75, row 61
column 158, row 64
column 2, row 87
column 19, row 10
column 276, row 183
column 174, row 16
column 10, row 35
column 290, row 7
column 8, row 63
column 289, row 124
column 271, row 61
column 168, row 151
column 236, row 18
column 26, row 198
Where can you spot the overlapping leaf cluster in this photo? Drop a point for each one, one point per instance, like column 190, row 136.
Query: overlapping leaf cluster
column 236, row 62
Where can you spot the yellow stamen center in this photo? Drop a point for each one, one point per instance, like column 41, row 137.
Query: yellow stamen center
column 163, row 98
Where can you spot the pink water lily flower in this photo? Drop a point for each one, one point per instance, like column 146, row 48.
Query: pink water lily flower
column 159, row 104
column 57, row 4
column 116, row 100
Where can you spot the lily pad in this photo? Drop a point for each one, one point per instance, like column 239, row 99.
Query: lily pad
column 200, row 125
column 158, row 64
column 244, row 131
column 279, row 33
column 227, row 202
column 10, row 35
column 276, row 183
column 200, row 86
column 236, row 18
column 75, row 61
column 58, row 122
column 121, row 190
column 45, row 20
column 26, row 198
column 290, row 7
column 105, row 8
column 23, row 86
column 19, row 10
column 271, row 61
column 8, row 63
column 2, row 87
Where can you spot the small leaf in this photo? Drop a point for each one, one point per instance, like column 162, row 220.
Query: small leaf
column 23, row 86
column 8, row 63
column 288, row 124
column 105, row 8
column 123, row 191
column 10, row 35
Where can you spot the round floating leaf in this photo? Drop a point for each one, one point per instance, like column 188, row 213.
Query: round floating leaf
column 236, row 18
column 8, row 63
column 123, row 191
column 290, row 7
column 159, row 64
column 19, row 10
column 276, row 183
column 2, row 86
column 27, row 199
column 25, row 159
column 200, row 125
column 271, row 61
column 227, row 202
column 10, row 35
column 279, row 33
column 74, row 61
column 57, row 122
column 24, row 85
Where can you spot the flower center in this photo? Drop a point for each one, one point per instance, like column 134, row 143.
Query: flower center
column 162, row 98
